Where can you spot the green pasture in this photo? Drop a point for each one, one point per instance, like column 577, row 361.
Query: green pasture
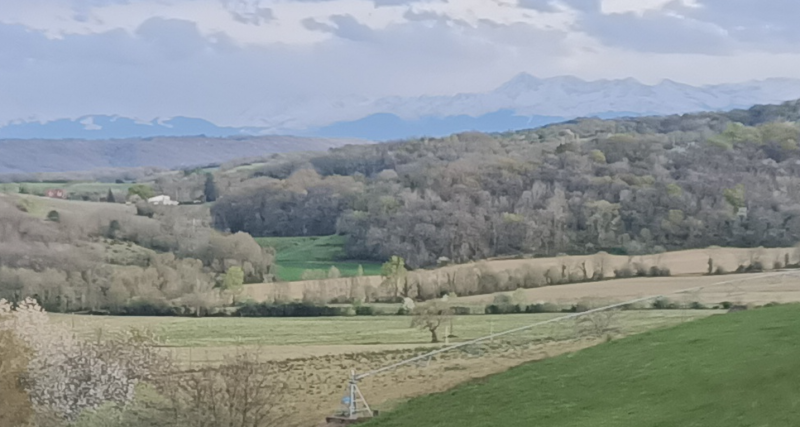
column 298, row 254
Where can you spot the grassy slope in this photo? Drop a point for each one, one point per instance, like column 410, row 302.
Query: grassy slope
column 297, row 254
column 99, row 188
column 730, row 370
column 40, row 206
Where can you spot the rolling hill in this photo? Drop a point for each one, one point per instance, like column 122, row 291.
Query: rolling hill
column 50, row 155
column 729, row 370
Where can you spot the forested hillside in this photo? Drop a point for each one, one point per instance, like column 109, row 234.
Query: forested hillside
column 74, row 256
column 629, row 186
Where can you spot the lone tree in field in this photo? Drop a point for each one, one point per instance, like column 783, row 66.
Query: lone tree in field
column 394, row 272
column 429, row 317
column 210, row 189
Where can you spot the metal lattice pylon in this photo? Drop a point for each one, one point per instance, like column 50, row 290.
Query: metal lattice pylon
column 354, row 404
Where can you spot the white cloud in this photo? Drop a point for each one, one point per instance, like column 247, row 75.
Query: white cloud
column 634, row 6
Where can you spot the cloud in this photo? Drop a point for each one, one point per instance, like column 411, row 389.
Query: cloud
column 314, row 25
column 713, row 27
column 349, row 28
column 249, row 12
column 657, row 32
column 754, row 23
column 383, row 3
column 344, row 26
column 296, row 63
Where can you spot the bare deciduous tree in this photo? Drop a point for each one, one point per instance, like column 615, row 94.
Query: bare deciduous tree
column 243, row 392
column 430, row 316
column 598, row 323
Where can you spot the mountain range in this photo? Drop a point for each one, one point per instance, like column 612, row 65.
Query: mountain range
column 524, row 101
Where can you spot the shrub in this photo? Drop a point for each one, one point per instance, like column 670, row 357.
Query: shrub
column 542, row 308
column 503, row 309
column 720, row 271
column 777, row 265
column 755, row 267
column 294, row 309
column 145, row 209
column 664, row 304
column 147, row 308
column 624, row 272
column 461, row 311
column 502, row 299
column 389, row 300
column 696, row 305
column 365, row 310
column 582, row 307
column 726, row 305
column 53, row 216
column 659, row 271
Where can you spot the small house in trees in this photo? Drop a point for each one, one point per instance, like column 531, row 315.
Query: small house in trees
column 162, row 200
column 741, row 213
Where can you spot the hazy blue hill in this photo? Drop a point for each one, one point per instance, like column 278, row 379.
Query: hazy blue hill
column 386, row 126
column 113, row 127
column 51, row 155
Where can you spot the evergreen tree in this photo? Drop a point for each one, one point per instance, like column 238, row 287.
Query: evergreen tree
column 110, row 197
column 210, row 188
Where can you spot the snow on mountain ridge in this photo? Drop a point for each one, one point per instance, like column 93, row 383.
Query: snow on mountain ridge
column 524, row 95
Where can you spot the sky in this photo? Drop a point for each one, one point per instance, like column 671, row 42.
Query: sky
column 233, row 61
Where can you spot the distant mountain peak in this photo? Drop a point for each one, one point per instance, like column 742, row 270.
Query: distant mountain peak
column 524, row 99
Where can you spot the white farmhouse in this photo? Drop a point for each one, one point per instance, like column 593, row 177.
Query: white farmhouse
column 162, row 200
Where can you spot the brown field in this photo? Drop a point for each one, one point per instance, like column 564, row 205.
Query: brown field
column 694, row 261
column 681, row 263
column 737, row 289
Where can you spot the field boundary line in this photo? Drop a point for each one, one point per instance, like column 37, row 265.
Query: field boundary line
column 428, row 355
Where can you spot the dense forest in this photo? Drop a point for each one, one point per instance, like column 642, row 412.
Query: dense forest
column 631, row 186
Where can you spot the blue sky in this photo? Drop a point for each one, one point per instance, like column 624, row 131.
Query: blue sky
column 234, row 61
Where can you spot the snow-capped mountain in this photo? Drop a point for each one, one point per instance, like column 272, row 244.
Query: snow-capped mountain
column 522, row 102
column 572, row 97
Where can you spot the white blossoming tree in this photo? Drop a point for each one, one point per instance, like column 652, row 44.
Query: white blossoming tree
column 66, row 376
